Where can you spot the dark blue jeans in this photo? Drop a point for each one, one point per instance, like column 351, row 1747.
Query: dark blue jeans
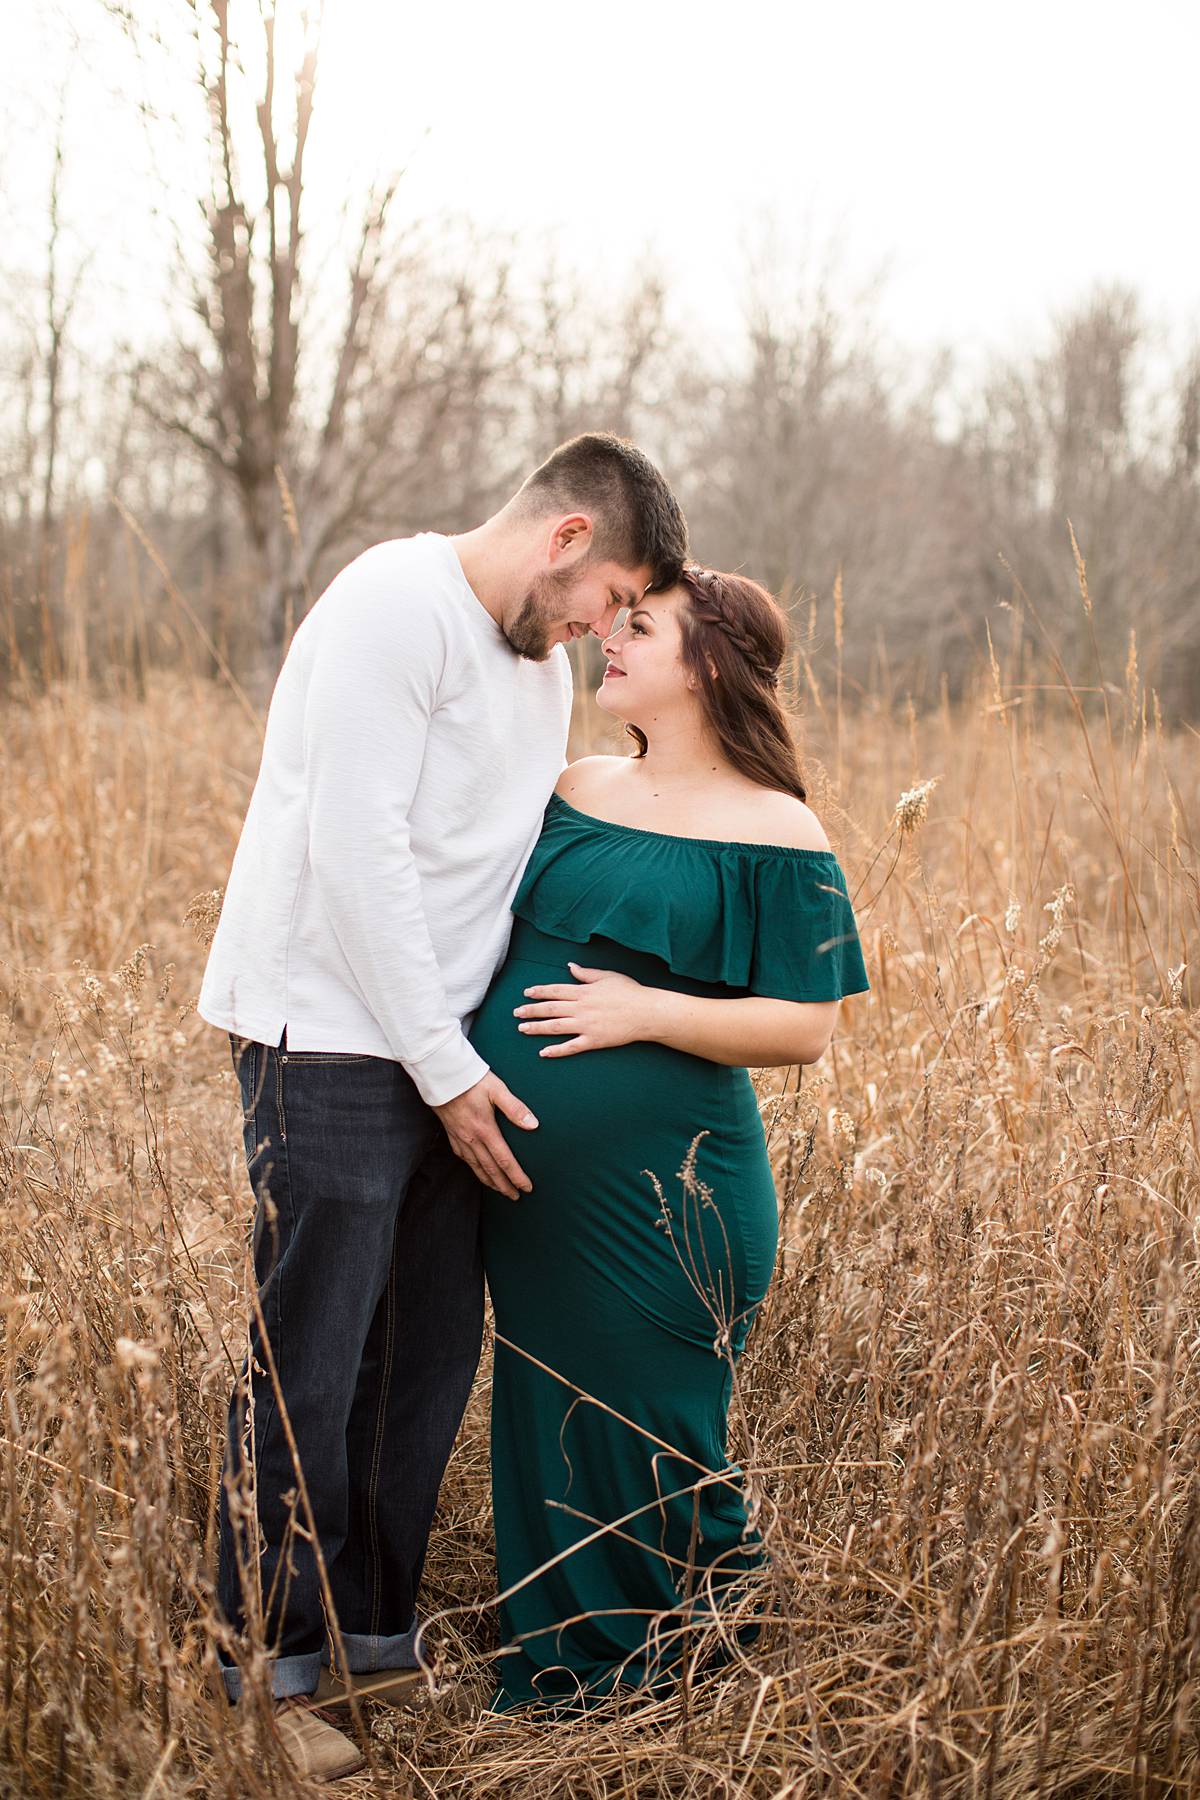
column 366, row 1257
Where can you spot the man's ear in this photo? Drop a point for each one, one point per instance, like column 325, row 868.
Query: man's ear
column 570, row 538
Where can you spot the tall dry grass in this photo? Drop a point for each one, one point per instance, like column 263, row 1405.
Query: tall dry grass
column 969, row 1415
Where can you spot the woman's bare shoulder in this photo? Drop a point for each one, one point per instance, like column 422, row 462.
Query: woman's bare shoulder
column 587, row 775
column 780, row 818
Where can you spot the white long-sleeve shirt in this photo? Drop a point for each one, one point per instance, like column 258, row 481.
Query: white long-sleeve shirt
column 408, row 756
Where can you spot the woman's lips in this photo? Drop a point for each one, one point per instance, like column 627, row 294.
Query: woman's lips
column 612, row 669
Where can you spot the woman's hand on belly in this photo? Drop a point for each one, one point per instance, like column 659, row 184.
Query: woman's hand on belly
column 602, row 1008
column 597, row 1011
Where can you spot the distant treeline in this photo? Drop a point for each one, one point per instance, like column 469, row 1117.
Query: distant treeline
column 194, row 494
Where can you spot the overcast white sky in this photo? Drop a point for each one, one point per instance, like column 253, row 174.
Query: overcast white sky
column 995, row 159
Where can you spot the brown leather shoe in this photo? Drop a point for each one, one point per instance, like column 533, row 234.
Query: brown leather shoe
column 314, row 1747
column 401, row 1688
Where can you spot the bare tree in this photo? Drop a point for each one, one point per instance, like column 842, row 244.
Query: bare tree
column 61, row 295
column 586, row 365
column 811, row 464
column 41, row 311
column 1077, row 434
column 1187, row 436
column 315, row 432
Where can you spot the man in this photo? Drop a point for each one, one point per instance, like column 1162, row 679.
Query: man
column 415, row 733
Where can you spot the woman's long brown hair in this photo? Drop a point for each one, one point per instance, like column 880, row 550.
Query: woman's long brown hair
column 731, row 625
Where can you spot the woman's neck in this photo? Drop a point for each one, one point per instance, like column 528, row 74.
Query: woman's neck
column 679, row 754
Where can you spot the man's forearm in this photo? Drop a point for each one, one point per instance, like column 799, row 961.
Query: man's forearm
column 380, row 924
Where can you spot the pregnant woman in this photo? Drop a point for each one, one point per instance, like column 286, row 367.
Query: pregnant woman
column 682, row 918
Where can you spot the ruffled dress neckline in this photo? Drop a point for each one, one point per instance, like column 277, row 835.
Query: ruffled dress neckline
column 675, row 837
column 768, row 919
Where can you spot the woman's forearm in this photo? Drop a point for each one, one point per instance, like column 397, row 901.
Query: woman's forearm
column 755, row 1033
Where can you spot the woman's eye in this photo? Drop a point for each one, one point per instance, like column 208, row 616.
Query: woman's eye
column 640, row 629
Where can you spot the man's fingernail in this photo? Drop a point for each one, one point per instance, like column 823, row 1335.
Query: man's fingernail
column 529, row 1119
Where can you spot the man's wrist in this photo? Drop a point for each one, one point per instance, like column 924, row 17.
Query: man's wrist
column 441, row 1105
column 448, row 1071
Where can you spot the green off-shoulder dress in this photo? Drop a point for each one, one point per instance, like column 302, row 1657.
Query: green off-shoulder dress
column 622, row 1292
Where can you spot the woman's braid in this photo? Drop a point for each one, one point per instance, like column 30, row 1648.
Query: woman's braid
column 736, row 674
column 715, row 610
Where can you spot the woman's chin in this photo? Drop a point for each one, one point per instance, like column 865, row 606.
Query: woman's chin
column 604, row 697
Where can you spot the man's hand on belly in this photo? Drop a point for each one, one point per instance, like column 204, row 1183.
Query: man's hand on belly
column 470, row 1124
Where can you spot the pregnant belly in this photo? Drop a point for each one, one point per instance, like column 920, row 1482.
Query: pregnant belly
column 614, row 1129
column 615, row 1099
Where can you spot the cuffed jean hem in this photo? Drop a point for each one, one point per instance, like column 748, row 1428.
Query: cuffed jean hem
column 288, row 1674
column 371, row 1655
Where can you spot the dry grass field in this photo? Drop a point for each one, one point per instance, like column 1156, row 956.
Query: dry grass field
column 970, row 1412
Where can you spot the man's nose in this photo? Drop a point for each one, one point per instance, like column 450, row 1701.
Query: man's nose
column 603, row 627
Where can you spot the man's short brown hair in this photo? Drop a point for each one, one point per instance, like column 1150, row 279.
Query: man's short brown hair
column 637, row 519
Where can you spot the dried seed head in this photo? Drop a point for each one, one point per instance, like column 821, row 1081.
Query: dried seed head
column 912, row 808
column 203, row 912
column 131, row 974
column 1057, row 908
column 1080, row 571
column 842, row 1125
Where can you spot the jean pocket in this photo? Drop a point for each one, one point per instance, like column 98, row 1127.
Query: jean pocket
column 325, row 1056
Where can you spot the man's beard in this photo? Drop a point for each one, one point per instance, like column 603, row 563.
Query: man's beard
column 540, row 616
